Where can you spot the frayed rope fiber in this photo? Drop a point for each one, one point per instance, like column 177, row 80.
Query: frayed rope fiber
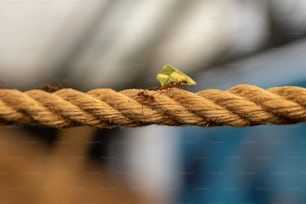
column 242, row 105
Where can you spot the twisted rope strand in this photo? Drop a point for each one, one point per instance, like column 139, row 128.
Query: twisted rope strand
column 242, row 105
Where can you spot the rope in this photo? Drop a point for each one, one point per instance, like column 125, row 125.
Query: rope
column 242, row 105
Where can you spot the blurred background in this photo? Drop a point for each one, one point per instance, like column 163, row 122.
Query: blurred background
column 123, row 44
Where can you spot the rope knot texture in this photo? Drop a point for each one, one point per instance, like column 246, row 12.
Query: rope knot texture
column 239, row 106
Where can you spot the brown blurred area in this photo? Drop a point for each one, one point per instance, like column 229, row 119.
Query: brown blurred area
column 33, row 172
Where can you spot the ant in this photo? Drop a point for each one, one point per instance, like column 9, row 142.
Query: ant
column 173, row 84
column 50, row 88
column 169, row 85
column 144, row 95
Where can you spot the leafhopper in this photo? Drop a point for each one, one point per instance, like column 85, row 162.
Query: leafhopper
column 170, row 76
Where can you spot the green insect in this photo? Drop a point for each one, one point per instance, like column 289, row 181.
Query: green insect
column 170, row 76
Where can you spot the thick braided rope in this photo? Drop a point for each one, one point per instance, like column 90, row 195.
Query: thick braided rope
column 242, row 105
